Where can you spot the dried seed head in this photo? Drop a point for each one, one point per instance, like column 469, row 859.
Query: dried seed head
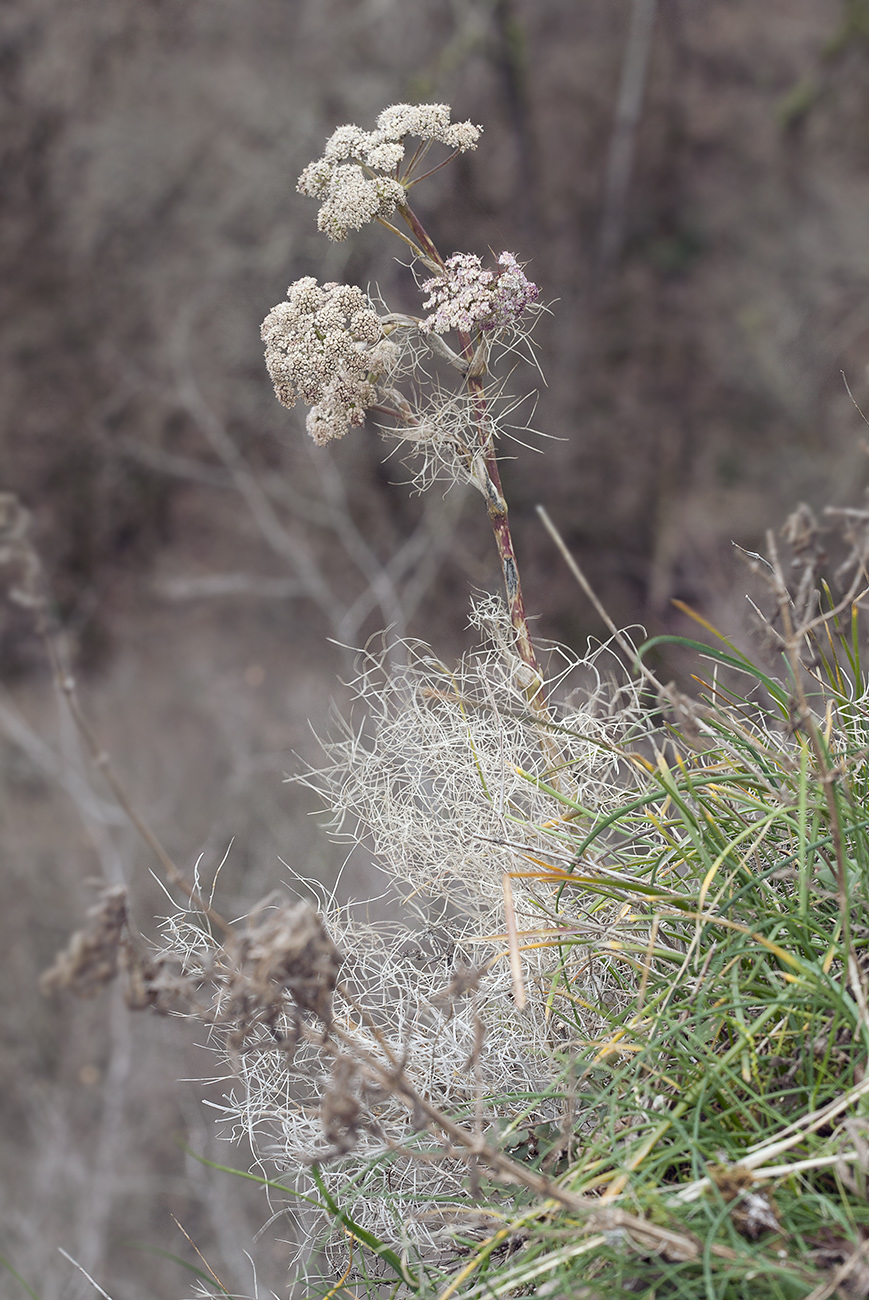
column 17, row 554
column 91, row 958
column 141, row 976
column 291, row 949
column 341, row 1110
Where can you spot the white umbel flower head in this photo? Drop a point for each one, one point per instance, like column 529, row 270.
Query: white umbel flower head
column 357, row 179
column 427, row 122
column 325, row 345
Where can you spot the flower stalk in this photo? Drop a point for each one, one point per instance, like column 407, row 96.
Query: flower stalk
column 325, row 346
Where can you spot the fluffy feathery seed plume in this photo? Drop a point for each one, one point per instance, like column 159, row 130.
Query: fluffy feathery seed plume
column 448, row 790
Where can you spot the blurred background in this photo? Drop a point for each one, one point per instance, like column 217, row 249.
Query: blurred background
column 689, row 185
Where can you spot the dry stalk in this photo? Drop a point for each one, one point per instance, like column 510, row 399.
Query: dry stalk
column 28, row 589
column 794, row 638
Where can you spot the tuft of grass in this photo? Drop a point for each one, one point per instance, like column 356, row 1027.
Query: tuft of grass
column 708, row 1112
column 722, row 1114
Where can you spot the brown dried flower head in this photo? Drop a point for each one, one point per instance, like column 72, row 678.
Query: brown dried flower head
column 341, row 1112
column 104, row 948
column 17, row 554
column 91, row 959
column 290, row 949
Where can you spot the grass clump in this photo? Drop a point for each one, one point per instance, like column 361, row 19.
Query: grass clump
column 723, row 1113
column 615, row 1040
column 693, row 940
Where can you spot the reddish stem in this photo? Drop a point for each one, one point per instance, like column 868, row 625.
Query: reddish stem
column 421, row 234
column 496, row 505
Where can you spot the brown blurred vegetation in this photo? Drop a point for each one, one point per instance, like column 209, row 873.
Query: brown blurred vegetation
column 148, row 220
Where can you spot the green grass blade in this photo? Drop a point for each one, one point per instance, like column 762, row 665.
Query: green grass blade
column 18, row 1278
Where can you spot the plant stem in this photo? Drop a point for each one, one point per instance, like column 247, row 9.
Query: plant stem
column 421, row 234
column 496, row 507
column 793, row 638
column 488, row 478
column 66, row 687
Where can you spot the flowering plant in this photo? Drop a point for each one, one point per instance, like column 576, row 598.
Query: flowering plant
column 628, row 970
column 329, row 346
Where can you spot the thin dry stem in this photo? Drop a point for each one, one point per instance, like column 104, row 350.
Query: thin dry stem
column 65, row 683
column 794, row 638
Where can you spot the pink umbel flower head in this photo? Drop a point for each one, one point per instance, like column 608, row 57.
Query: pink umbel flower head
column 467, row 297
column 512, row 293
